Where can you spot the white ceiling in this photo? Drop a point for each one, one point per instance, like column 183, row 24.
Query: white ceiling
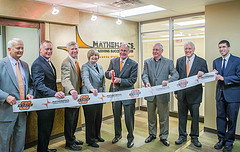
column 105, row 7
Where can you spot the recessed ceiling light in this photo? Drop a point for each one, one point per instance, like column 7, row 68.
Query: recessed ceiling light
column 139, row 11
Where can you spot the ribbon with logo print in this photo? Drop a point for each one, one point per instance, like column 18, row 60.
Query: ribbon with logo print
column 103, row 97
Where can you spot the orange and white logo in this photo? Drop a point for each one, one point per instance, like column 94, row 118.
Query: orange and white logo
column 83, row 99
column 134, row 93
column 182, row 83
column 25, row 105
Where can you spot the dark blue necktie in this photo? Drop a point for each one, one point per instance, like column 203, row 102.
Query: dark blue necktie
column 223, row 67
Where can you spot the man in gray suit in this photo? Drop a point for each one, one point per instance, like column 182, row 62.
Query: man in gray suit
column 190, row 98
column 125, row 70
column 156, row 72
column 15, row 84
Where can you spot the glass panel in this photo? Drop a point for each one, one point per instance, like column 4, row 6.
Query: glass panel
column 30, row 39
column 155, row 26
column 189, row 22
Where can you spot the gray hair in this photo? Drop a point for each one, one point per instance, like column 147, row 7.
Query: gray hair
column 189, row 42
column 70, row 44
column 44, row 41
column 125, row 45
column 14, row 40
column 160, row 45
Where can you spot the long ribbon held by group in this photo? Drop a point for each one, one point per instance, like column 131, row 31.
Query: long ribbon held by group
column 87, row 99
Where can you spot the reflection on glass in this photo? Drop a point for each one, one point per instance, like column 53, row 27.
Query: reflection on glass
column 155, row 26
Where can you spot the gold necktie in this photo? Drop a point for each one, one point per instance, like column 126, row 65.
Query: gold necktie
column 20, row 82
column 79, row 74
column 187, row 67
column 121, row 66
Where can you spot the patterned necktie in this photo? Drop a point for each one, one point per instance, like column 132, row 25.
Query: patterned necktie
column 121, row 65
column 79, row 74
column 20, row 82
column 223, row 67
column 187, row 67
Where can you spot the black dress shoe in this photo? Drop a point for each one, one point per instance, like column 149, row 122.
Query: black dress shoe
column 196, row 142
column 228, row 148
column 100, row 139
column 51, row 150
column 73, row 147
column 78, row 142
column 95, row 145
column 150, row 138
column 219, row 145
column 116, row 139
column 165, row 142
column 180, row 140
column 130, row 144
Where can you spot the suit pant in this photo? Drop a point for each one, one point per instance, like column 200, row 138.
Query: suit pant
column 71, row 120
column 227, row 114
column 16, row 129
column 45, row 125
column 93, row 121
column 129, row 111
column 183, row 107
column 163, row 114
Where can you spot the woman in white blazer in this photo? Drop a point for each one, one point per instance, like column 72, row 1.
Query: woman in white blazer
column 93, row 82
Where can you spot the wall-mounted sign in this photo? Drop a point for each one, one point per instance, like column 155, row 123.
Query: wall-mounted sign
column 101, row 46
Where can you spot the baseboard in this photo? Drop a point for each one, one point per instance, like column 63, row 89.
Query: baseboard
column 174, row 114
column 206, row 129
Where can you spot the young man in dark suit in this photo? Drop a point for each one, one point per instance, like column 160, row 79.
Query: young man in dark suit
column 227, row 95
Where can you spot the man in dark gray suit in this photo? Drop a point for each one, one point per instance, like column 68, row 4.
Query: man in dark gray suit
column 190, row 98
column 15, row 84
column 125, row 70
column 44, row 80
column 156, row 72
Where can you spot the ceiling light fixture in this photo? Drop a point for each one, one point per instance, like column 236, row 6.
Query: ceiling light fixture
column 94, row 17
column 119, row 22
column 55, row 11
column 139, row 11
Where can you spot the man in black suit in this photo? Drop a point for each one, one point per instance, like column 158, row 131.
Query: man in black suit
column 125, row 70
column 190, row 98
column 44, row 78
column 227, row 95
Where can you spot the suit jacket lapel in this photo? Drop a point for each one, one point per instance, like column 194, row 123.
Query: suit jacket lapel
column 94, row 69
column 160, row 67
column 229, row 64
column 73, row 65
column 11, row 72
column 126, row 65
column 219, row 66
column 152, row 65
column 183, row 66
column 48, row 65
column 194, row 65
